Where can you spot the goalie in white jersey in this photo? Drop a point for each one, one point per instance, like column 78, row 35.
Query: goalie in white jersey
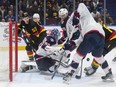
column 48, row 54
column 91, row 40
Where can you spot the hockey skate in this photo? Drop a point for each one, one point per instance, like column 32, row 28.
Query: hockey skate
column 68, row 75
column 25, row 68
column 108, row 77
column 114, row 60
column 90, row 70
column 31, row 58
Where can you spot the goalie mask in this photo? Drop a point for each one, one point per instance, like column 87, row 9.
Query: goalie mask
column 50, row 40
column 55, row 34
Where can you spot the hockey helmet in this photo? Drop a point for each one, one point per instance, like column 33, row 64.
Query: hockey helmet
column 55, row 33
column 50, row 40
column 36, row 16
column 63, row 12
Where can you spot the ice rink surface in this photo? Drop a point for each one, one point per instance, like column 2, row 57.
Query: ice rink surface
column 35, row 79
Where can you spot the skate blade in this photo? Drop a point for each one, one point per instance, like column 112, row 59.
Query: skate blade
column 66, row 82
column 108, row 80
column 48, row 78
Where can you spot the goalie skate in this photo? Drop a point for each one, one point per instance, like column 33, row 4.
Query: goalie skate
column 27, row 65
column 26, row 68
column 108, row 77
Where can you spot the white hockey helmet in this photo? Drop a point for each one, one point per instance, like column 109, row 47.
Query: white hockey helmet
column 63, row 12
column 36, row 16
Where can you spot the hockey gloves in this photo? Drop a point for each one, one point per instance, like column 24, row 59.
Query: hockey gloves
column 69, row 45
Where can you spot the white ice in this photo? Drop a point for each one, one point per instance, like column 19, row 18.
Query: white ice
column 35, row 79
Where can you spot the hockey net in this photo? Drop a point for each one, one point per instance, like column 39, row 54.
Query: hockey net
column 8, row 50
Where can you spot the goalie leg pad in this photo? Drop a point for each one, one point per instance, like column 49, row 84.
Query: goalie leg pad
column 45, row 63
column 27, row 65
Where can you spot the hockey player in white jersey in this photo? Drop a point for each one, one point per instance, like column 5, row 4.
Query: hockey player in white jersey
column 48, row 54
column 91, row 40
column 63, row 15
column 67, row 32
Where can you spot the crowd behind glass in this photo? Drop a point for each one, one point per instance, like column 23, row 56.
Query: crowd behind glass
column 7, row 9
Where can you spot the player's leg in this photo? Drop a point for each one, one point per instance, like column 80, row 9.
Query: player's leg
column 27, row 65
column 29, row 52
column 104, row 65
column 94, row 65
column 90, row 70
column 97, row 53
column 85, row 47
column 44, row 63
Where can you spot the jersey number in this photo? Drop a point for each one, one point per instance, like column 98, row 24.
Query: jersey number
column 34, row 29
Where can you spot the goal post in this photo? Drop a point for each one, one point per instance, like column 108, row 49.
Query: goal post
column 8, row 50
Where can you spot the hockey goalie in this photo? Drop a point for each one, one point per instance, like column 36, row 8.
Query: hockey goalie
column 48, row 55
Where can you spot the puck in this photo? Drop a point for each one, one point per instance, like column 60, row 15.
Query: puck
column 88, row 59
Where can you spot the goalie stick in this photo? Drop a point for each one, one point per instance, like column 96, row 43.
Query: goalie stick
column 57, row 66
column 56, row 69
column 45, row 56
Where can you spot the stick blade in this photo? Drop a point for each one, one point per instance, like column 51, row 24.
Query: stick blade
column 78, row 77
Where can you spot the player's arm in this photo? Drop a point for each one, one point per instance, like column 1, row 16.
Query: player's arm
column 64, row 36
column 72, row 26
column 19, row 29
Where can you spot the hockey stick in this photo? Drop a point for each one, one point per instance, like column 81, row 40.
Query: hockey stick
column 28, row 40
column 57, row 66
column 79, row 76
column 63, row 64
column 45, row 56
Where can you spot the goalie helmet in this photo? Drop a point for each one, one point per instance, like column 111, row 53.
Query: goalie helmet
column 55, row 34
column 63, row 12
column 50, row 40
